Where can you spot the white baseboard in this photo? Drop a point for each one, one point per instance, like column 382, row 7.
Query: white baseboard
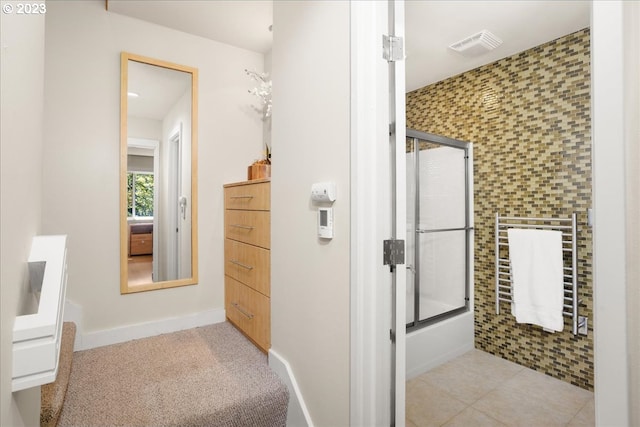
column 73, row 313
column 86, row 341
column 297, row 414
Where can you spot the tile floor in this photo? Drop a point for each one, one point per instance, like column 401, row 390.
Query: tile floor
column 479, row 389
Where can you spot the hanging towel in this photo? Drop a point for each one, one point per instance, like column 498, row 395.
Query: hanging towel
column 537, row 277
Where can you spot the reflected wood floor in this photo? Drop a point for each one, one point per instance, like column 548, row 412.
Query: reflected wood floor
column 140, row 269
column 479, row 389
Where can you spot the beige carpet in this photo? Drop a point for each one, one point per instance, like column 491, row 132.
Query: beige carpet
column 209, row 376
column 52, row 394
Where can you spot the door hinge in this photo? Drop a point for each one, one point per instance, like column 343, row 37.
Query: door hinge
column 392, row 48
column 393, row 252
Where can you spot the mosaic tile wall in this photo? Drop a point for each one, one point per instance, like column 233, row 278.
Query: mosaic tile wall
column 528, row 117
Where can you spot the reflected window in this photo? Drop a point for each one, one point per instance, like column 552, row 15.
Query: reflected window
column 140, row 195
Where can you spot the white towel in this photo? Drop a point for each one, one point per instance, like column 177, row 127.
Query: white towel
column 537, row 277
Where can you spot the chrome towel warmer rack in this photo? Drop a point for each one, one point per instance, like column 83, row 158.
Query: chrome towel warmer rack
column 503, row 283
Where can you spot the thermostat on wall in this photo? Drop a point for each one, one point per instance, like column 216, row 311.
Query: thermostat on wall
column 325, row 223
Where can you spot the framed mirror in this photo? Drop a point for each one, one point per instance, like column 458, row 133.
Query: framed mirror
column 158, row 174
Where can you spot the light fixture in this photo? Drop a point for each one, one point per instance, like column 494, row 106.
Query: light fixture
column 132, row 95
column 477, row 44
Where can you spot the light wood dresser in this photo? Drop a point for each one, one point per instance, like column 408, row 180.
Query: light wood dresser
column 247, row 259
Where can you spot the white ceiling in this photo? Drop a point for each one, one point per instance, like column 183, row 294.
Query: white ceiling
column 158, row 90
column 240, row 23
column 431, row 26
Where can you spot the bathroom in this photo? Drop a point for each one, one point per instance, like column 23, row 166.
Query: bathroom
column 528, row 119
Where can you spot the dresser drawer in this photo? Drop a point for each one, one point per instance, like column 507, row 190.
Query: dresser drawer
column 248, row 264
column 253, row 227
column 141, row 244
column 249, row 197
column 250, row 311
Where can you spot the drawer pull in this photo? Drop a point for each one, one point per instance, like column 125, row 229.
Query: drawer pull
column 238, row 263
column 248, row 196
column 237, row 306
column 246, row 227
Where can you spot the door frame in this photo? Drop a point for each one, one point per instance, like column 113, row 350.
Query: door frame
column 398, row 176
column 371, row 200
column 174, row 178
column 612, row 77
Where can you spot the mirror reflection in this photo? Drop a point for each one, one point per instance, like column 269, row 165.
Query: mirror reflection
column 158, row 174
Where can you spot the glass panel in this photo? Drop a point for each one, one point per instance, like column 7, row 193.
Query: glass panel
column 438, row 191
column 442, row 187
column 140, row 192
column 442, row 272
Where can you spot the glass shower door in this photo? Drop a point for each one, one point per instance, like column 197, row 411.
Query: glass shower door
column 438, row 228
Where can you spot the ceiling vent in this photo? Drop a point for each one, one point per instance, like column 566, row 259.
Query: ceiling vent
column 477, row 44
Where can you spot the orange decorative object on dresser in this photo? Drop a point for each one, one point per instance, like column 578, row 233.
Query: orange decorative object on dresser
column 259, row 170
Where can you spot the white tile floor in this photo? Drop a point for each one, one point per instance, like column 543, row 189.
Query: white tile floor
column 479, row 389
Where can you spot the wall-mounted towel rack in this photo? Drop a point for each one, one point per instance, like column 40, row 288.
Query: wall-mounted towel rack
column 569, row 228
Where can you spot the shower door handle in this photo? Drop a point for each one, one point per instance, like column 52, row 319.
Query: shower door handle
column 440, row 230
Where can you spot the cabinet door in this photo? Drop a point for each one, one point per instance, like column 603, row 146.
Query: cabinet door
column 248, row 197
column 248, row 264
column 250, row 311
column 252, row 227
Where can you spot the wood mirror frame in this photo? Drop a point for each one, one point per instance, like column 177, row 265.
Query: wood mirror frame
column 188, row 204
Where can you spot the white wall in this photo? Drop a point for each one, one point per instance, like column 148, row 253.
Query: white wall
column 81, row 195
column 632, row 156
column 266, row 126
column 613, row 93
column 21, row 90
column 139, row 127
column 311, row 133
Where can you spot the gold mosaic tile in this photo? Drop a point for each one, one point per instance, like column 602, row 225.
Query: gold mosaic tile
column 528, row 117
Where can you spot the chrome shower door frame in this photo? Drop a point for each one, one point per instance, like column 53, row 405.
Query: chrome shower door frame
column 417, row 136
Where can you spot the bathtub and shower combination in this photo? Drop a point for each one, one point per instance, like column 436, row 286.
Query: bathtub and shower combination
column 439, row 250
